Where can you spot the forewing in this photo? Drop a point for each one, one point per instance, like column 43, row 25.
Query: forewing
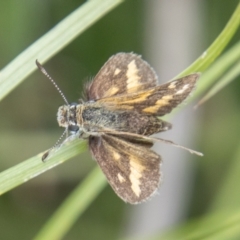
column 157, row 100
column 122, row 73
column 131, row 167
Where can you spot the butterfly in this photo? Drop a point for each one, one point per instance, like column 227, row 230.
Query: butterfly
column 121, row 112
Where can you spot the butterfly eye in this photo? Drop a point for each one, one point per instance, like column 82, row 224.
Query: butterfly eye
column 73, row 128
column 73, row 105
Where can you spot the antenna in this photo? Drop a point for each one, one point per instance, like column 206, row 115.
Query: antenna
column 42, row 69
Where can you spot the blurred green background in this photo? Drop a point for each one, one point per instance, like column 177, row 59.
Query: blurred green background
column 28, row 116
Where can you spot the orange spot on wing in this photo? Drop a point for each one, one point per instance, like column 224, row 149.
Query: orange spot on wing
column 164, row 101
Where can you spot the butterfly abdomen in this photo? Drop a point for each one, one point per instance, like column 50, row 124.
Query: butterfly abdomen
column 98, row 118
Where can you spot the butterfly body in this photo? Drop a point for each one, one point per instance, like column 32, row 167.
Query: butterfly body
column 93, row 118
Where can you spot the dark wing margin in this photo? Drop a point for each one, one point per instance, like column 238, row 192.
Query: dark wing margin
column 156, row 101
column 131, row 167
column 122, row 73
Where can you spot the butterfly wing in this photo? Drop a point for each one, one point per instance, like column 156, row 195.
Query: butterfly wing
column 131, row 167
column 156, row 101
column 122, row 73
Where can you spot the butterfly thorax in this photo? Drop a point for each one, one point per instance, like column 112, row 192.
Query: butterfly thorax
column 94, row 118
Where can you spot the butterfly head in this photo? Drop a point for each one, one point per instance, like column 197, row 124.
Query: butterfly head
column 66, row 117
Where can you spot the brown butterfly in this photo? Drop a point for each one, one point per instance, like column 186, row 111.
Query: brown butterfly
column 122, row 110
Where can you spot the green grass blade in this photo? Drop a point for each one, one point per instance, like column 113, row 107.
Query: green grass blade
column 232, row 74
column 214, row 73
column 230, row 58
column 52, row 42
column 34, row 166
column 217, row 46
column 75, row 205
